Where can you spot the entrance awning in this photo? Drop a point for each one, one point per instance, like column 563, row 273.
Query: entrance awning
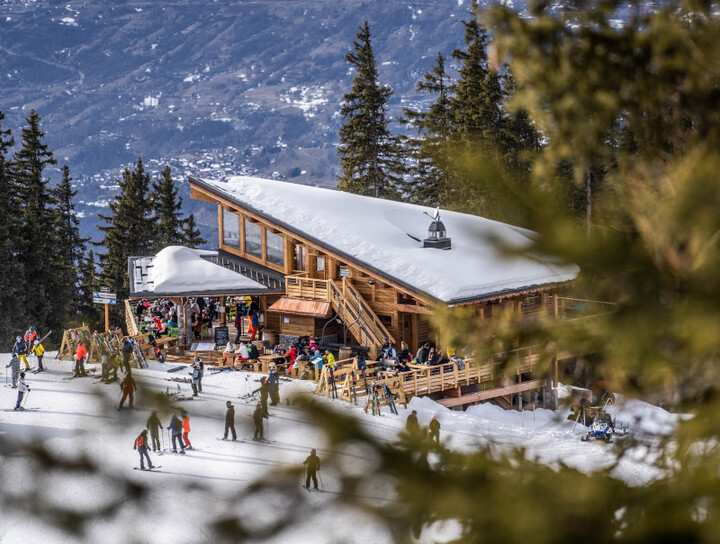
column 299, row 306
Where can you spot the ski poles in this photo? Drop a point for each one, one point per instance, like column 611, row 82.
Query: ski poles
column 322, row 485
column 27, row 394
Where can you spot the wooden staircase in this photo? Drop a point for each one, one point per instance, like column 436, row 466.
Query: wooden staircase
column 348, row 303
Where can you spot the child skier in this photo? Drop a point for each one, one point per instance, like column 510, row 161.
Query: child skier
column 313, row 465
column 195, row 378
column 20, row 349
column 186, row 430
column 141, row 446
column 80, row 354
column 258, row 416
column 15, row 365
column 22, row 388
column 38, row 350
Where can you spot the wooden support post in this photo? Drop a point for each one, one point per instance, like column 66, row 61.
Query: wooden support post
column 107, row 317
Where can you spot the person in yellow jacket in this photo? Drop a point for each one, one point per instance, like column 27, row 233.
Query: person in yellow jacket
column 38, row 350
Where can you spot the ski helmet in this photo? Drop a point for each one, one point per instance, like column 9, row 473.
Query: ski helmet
column 228, row 403
column 18, row 338
column 197, row 358
column 37, row 342
column 22, row 374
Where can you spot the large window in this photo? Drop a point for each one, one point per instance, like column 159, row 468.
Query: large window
column 300, row 253
column 275, row 251
column 253, row 244
column 231, row 229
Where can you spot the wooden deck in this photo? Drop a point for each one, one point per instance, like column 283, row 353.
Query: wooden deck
column 495, row 379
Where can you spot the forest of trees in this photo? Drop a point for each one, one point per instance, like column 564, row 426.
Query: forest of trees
column 468, row 121
column 48, row 271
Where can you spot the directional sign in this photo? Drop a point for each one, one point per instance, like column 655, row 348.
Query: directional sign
column 104, row 298
column 104, row 289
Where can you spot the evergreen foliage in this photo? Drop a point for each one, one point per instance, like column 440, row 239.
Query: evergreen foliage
column 191, row 234
column 71, row 246
column 45, row 302
column 167, row 206
column 128, row 232
column 372, row 160
column 11, row 285
column 429, row 174
column 87, row 311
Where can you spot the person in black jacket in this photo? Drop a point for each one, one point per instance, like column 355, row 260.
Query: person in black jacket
column 264, row 392
column 273, row 382
column 313, row 465
column 411, row 425
column 154, row 425
column 258, row 416
column 230, row 421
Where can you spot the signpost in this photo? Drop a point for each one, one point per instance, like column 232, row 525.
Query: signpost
column 104, row 296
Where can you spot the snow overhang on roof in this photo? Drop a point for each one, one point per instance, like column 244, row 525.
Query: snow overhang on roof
column 182, row 271
column 385, row 237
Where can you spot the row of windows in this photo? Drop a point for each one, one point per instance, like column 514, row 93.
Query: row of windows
column 274, row 246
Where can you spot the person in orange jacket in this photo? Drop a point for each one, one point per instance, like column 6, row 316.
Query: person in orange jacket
column 186, row 429
column 128, row 387
column 80, row 354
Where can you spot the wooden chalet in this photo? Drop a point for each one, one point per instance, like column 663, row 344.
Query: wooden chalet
column 367, row 268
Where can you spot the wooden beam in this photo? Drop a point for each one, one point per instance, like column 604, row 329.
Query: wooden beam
column 492, row 393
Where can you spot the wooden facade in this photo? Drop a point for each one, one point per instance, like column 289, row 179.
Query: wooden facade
column 316, row 272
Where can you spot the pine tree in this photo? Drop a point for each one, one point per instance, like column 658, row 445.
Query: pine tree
column 71, row 245
column 167, row 206
column 429, row 175
column 43, row 270
column 129, row 231
column 11, row 293
column 191, row 234
column 87, row 310
column 371, row 158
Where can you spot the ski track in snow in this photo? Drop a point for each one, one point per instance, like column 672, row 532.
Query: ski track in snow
column 72, row 417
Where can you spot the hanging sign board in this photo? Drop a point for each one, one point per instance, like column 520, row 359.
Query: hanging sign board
column 104, row 298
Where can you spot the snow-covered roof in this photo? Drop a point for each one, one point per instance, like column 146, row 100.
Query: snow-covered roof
column 386, row 237
column 178, row 270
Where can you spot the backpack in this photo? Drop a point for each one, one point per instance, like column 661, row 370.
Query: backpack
column 140, row 441
column 127, row 346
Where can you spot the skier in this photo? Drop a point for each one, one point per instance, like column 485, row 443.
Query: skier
column 186, row 429
column 80, row 354
column 127, row 350
column 15, row 365
column 153, row 423
column 201, row 367
column 20, row 349
column 264, row 391
column 22, row 387
column 128, row 387
column 435, row 430
column 141, row 446
column 273, row 382
column 30, row 336
column 254, row 323
column 313, row 465
column 230, row 421
column 258, row 416
column 38, row 350
column 175, row 429
column 195, row 378
column 411, row 425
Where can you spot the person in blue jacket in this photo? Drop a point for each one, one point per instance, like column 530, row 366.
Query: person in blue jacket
column 20, row 349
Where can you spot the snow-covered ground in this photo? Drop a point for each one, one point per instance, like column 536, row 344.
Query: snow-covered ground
column 72, row 417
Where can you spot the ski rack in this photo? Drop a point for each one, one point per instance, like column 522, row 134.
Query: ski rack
column 343, row 377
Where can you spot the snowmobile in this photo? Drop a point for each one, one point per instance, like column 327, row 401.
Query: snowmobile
column 603, row 426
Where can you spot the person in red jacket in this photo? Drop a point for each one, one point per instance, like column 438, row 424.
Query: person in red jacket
column 141, row 443
column 186, row 429
column 80, row 354
column 128, row 387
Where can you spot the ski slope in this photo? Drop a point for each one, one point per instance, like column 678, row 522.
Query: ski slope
column 73, row 417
